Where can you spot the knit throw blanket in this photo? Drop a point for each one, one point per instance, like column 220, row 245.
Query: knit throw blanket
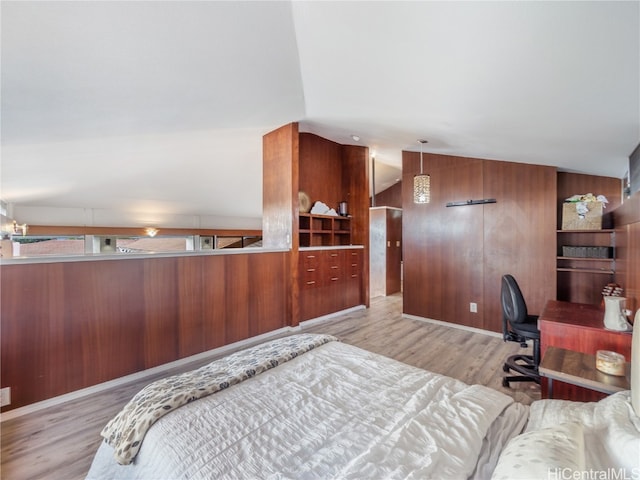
column 127, row 429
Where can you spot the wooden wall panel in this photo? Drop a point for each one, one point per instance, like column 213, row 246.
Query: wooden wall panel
column 191, row 321
column 280, row 202
column 214, row 303
column 280, row 187
column 519, row 235
column 627, row 223
column 321, row 159
column 236, row 279
column 443, row 246
column 102, row 295
column 67, row 326
column 455, row 256
column 160, row 312
column 265, row 291
column 355, row 164
column 391, row 197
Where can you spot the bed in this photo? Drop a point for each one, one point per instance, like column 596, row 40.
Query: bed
column 308, row 406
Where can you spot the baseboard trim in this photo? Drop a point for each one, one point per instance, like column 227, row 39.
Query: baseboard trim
column 133, row 377
column 330, row 316
column 453, row 325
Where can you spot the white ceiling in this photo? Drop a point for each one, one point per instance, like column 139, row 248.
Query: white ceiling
column 156, row 110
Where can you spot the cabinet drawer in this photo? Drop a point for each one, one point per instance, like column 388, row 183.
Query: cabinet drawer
column 309, row 260
column 333, row 266
column 309, row 275
column 353, row 267
column 309, row 279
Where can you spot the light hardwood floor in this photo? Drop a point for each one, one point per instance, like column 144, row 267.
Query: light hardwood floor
column 59, row 442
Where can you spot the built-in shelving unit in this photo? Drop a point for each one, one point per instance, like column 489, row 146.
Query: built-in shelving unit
column 324, row 230
column 581, row 275
column 330, row 173
column 589, row 273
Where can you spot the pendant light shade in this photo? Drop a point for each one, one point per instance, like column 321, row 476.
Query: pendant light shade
column 421, row 183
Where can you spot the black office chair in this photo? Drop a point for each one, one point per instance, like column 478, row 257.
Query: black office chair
column 518, row 326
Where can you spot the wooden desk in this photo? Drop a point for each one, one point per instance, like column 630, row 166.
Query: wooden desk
column 579, row 369
column 578, row 327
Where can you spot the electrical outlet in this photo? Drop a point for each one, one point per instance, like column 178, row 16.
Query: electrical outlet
column 473, row 307
column 5, row 396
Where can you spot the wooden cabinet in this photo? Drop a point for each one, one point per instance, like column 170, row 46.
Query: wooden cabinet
column 329, row 279
column 585, row 264
column 324, row 230
column 578, row 327
column 326, row 171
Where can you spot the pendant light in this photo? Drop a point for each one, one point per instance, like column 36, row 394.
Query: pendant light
column 421, row 183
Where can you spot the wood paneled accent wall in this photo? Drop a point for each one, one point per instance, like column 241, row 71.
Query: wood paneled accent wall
column 67, row 326
column 627, row 226
column 391, row 197
column 457, row 255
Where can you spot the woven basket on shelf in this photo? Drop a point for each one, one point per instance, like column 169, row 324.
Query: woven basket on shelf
column 592, row 220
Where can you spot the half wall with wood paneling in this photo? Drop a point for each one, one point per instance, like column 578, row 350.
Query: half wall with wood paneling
column 71, row 325
column 455, row 256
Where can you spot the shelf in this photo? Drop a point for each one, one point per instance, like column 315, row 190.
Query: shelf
column 606, row 230
column 324, row 230
column 585, row 270
column 587, row 259
column 580, row 278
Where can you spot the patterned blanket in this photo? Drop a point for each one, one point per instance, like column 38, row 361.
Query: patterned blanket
column 127, row 429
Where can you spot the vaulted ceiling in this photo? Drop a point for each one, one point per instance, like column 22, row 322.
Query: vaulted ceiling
column 153, row 112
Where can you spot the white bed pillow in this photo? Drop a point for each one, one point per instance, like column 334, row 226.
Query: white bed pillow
column 542, row 454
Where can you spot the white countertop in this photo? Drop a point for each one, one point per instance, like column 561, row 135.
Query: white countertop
column 93, row 257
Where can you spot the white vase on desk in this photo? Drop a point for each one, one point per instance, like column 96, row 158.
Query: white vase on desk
column 614, row 314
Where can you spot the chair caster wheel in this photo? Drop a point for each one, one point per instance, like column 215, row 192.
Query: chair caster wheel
column 505, row 383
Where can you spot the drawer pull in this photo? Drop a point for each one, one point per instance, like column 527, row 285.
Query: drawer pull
column 311, row 256
column 334, row 254
column 334, row 267
column 311, row 282
column 311, row 269
column 333, row 279
column 353, row 275
column 354, row 264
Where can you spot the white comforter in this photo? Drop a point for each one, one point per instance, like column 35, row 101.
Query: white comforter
column 334, row 412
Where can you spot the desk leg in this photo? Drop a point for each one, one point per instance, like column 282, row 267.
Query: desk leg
column 550, row 387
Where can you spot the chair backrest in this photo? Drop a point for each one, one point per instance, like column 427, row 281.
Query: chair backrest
column 514, row 308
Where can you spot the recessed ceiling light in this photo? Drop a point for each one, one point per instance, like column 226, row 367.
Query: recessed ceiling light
column 355, row 137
